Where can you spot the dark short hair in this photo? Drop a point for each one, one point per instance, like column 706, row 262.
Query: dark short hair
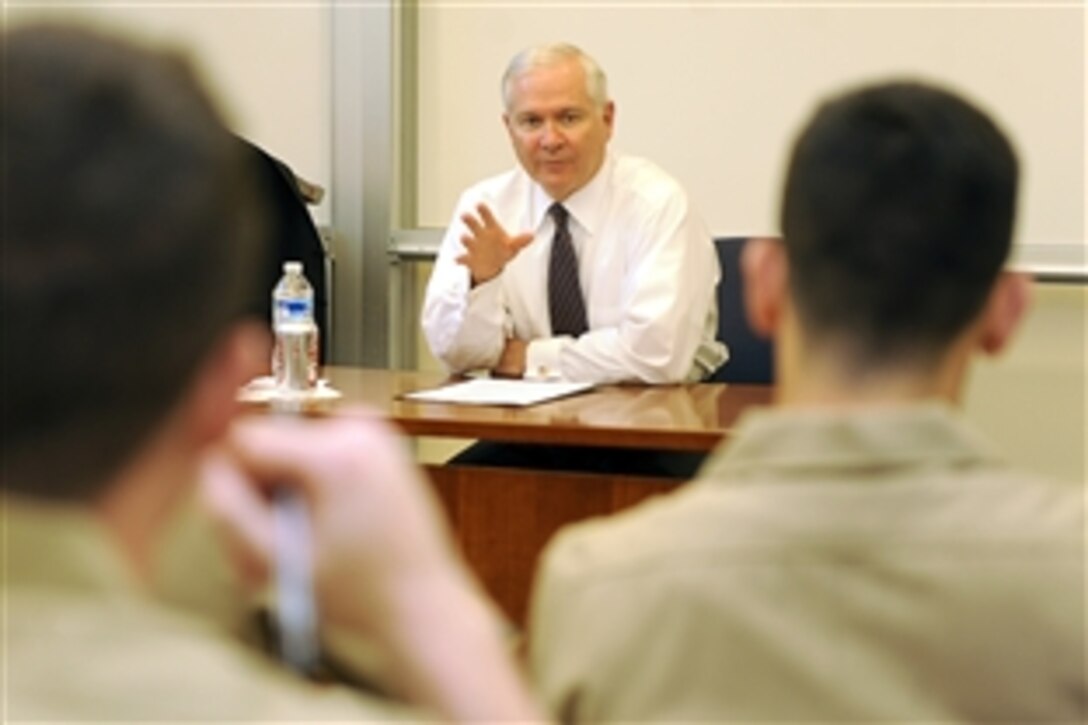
column 129, row 224
column 897, row 217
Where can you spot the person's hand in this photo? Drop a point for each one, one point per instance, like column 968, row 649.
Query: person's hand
column 376, row 525
column 487, row 245
column 384, row 563
column 511, row 362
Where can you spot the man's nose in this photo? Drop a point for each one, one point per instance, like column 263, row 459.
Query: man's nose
column 551, row 136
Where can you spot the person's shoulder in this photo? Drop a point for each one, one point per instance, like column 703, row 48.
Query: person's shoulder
column 1009, row 499
column 646, row 192
column 498, row 188
column 224, row 679
column 1030, row 505
column 638, row 175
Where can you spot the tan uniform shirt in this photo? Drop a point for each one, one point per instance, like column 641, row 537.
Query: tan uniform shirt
column 81, row 642
column 879, row 565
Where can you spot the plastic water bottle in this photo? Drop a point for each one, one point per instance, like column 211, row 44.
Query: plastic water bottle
column 294, row 353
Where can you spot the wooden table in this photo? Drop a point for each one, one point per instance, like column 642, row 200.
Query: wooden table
column 502, row 518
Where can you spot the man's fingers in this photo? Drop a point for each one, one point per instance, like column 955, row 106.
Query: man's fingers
column 473, row 224
column 488, row 218
column 268, row 448
column 302, row 452
column 487, row 245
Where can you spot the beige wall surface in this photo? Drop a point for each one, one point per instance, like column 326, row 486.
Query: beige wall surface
column 1033, row 400
column 715, row 91
column 268, row 64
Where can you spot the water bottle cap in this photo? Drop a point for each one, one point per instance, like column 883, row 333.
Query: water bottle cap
column 292, row 267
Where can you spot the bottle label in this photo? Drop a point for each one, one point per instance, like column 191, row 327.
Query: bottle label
column 295, row 308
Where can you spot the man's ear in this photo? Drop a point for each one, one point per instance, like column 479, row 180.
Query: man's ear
column 609, row 116
column 242, row 353
column 1000, row 318
column 766, row 273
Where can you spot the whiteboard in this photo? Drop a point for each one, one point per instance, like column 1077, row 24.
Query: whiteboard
column 715, row 92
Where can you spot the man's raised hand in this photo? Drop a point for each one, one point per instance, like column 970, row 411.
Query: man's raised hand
column 487, row 245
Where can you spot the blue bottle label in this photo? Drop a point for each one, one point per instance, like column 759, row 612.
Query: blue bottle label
column 294, row 308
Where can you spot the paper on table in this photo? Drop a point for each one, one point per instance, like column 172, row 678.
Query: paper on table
column 489, row 391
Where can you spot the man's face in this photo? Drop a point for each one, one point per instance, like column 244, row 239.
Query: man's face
column 559, row 134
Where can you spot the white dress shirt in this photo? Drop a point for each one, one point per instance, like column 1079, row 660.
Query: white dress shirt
column 648, row 271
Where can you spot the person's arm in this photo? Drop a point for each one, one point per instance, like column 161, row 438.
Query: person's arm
column 464, row 315
column 511, row 362
column 384, row 563
column 668, row 291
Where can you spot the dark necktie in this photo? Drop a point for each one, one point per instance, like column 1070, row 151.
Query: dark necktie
column 565, row 302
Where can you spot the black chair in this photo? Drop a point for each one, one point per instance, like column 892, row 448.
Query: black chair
column 751, row 357
column 293, row 236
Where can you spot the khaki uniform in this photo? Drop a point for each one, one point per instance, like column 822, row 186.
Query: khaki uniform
column 875, row 565
column 82, row 642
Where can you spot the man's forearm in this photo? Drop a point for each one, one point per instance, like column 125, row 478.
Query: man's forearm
column 511, row 362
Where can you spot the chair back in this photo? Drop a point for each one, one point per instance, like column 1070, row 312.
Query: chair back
column 751, row 357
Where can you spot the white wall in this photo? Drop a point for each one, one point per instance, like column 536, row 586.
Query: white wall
column 715, row 92
column 267, row 64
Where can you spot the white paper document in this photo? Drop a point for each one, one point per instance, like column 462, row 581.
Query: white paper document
column 489, row 391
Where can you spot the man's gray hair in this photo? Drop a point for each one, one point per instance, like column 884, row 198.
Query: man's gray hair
column 550, row 54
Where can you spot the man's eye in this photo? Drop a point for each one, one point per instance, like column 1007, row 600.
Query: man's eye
column 569, row 119
column 529, row 123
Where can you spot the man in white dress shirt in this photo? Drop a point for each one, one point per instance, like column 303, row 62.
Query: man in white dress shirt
column 646, row 266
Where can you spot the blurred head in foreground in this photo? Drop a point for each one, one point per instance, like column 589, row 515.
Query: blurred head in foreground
column 128, row 223
column 897, row 220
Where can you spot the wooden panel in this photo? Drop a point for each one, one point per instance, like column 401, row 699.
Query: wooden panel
column 503, row 518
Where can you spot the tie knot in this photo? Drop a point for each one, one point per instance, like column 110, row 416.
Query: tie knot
column 559, row 214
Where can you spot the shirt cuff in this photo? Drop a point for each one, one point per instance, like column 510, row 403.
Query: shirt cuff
column 485, row 292
column 542, row 358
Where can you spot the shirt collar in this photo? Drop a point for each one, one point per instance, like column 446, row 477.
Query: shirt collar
column 856, row 442
column 585, row 206
column 61, row 546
